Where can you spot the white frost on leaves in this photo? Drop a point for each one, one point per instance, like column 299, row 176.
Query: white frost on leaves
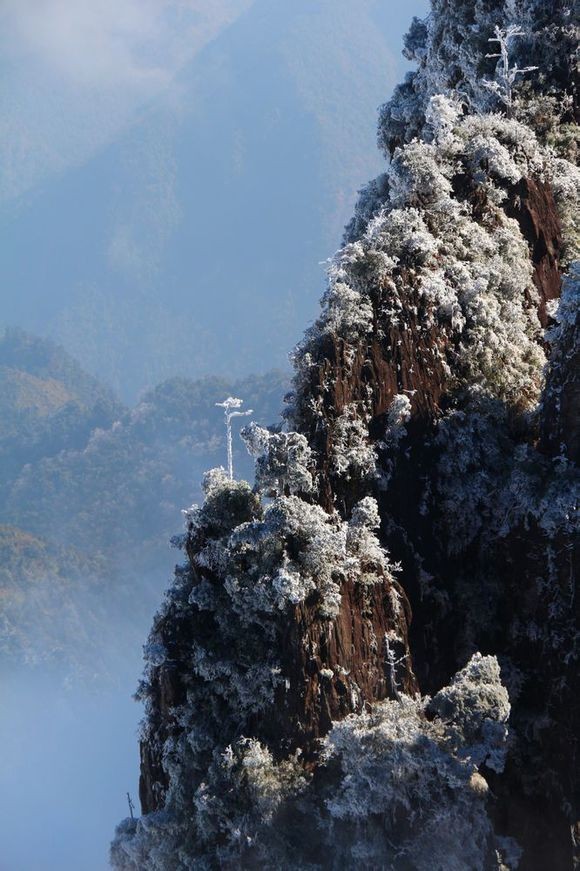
column 565, row 312
column 506, row 73
column 396, row 763
column 250, row 565
column 474, row 276
column 484, row 481
column 398, row 415
column 283, row 461
column 442, row 115
column 565, row 180
column 484, row 56
column 547, row 495
column 363, row 545
column 406, row 787
column 243, row 790
column 475, row 708
column 352, row 454
column 349, row 312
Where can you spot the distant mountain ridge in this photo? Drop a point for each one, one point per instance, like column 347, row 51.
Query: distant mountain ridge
column 45, row 361
column 171, row 239
column 90, row 492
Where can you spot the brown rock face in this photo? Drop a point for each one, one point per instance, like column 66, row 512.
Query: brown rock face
column 410, row 359
column 532, row 205
column 337, row 667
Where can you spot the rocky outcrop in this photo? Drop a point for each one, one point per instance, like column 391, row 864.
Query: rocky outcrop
column 332, row 668
column 423, row 523
column 338, row 668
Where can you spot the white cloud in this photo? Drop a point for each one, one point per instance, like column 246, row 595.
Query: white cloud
column 75, row 71
column 109, row 41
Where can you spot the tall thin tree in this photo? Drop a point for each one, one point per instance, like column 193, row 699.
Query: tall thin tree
column 229, row 405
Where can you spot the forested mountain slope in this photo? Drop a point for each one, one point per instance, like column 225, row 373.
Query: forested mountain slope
column 90, row 493
column 370, row 659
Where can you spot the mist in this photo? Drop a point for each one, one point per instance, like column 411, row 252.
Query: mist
column 69, row 758
column 69, row 730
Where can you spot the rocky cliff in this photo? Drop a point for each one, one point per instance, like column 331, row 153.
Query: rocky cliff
column 371, row 658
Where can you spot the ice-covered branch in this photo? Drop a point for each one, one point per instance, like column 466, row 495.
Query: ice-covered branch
column 506, row 75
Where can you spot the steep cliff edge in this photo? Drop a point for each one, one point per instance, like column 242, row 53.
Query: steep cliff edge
column 331, row 677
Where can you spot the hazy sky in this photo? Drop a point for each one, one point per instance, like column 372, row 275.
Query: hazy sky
column 75, row 71
column 131, row 43
column 126, row 125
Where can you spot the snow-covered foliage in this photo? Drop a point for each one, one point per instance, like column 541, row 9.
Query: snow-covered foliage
column 243, row 791
column 397, row 764
column 455, row 52
column 565, row 312
column 268, row 559
column 283, row 461
column 476, row 708
column 489, row 491
column 484, row 481
column 299, row 549
column 352, row 453
column 474, row 454
column 397, row 416
column 400, row 784
column 506, row 73
column 473, row 276
column 250, row 565
column 227, row 504
column 362, row 543
column 349, row 312
column 565, row 180
column 151, row 843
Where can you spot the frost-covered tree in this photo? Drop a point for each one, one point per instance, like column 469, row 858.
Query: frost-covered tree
column 409, row 793
column 283, row 461
column 230, row 406
column 507, row 73
column 397, row 786
column 452, row 51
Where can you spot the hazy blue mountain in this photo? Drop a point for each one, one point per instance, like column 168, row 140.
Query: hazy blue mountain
column 75, row 74
column 120, row 493
column 90, row 494
column 166, row 257
column 48, row 403
column 54, row 377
